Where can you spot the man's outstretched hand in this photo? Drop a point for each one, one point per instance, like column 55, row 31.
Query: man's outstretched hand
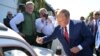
column 39, row 40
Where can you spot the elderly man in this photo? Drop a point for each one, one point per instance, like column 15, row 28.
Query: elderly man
column 74, row 36
column 27, row 21
column 7, row 19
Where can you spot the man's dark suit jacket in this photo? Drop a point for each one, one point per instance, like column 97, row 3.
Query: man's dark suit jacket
column 79, row 34
column 91, row 27
column 6, row 22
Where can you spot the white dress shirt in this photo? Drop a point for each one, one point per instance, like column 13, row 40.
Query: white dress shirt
column 44, row 27
column 67, row 26
column 97, row 40
column 16, row 20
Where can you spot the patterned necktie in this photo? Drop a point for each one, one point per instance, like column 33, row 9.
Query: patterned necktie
column 66, row 34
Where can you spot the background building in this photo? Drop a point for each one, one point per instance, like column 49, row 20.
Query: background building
column 18, row 6
column 7, row 5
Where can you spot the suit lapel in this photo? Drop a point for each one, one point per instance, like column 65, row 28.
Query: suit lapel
column 63, row 40
column 61, row 36
column 71, row 29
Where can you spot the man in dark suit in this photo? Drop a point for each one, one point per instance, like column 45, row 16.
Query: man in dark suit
column 93, row 26
column 74, row 36
column 93, row 23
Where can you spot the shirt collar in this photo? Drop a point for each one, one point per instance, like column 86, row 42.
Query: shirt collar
column 66, row 26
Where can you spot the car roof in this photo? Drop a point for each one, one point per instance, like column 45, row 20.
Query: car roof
column 5, row 31
column 9, row 38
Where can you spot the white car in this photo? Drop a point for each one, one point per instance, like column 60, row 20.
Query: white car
column 12, row 44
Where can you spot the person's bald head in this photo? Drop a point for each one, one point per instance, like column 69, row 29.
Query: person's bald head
column 9, row 15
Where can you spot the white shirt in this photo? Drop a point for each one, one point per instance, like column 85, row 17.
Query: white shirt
column 97, row 40
column 16, row 20
column 79, row 46
column 42, row 27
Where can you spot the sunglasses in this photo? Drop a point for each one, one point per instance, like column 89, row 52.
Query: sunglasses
column 97, row 14
column 9, row 14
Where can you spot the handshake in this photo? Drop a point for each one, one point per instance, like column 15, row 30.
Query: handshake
column 39, row 40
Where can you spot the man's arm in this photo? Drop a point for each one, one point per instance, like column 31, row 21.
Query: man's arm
column 88, row 39
column 41, row 40
column 16, row 20
column 52, row 36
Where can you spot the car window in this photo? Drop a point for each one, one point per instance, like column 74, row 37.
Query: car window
column 15, row 51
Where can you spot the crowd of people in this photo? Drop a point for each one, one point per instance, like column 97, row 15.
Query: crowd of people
column 78, row 38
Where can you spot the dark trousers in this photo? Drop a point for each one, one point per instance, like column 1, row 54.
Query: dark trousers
column 31, row 39
column 98, row 52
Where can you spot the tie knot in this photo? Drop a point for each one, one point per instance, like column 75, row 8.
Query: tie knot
column 65, row 28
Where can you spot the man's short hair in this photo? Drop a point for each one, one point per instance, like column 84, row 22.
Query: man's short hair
column 44, row 10
column 97, row 13
column 64, row 11
column 29, row 2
